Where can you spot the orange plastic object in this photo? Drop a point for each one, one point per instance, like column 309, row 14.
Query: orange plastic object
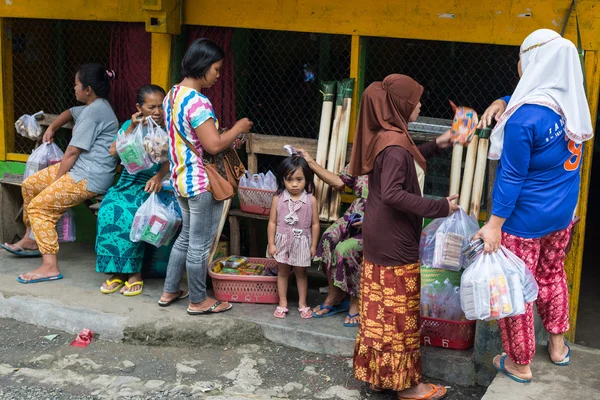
column 464, row 125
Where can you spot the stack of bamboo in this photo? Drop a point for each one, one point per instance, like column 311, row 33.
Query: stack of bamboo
column 333, row 143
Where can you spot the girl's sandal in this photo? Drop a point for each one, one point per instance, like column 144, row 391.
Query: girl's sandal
column 280, row 312
column 305, row 312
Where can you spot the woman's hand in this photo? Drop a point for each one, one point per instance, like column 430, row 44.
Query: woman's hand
column 48, row 135
column 452, row 206
column 136, row 119
column 444, row 140
column 495, row 110
column 357, row 224
column 492, row 237
column 154, row 185
column 273, row 250
column 304, row 154
column 244, row 125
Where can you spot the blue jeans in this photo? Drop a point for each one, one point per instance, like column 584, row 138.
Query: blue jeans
column 201, row 215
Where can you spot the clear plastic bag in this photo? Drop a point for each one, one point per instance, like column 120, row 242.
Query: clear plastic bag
column 154, row 222
column 514, row 264
column 441, row 300
column 45, row 155
column 443, row 239
column 131, row 151
column 27, row 126
column 156, row 142
column 65, row 227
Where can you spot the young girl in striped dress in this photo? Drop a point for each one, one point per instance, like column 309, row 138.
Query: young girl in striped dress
column 293, row 230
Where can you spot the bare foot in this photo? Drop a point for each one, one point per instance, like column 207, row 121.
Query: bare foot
column 132, row 279
column 421, row 391
column 334, row 297
column 45, row 271
column 353, row 311
column 169, row 297
column 520, row 371
column 26, row 244
column 557, row 347
column 208, row 303
column 114, row 284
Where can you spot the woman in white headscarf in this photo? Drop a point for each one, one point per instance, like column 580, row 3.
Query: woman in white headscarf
column 538, row 140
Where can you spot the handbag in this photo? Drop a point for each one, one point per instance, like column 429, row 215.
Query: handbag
column 224, row 170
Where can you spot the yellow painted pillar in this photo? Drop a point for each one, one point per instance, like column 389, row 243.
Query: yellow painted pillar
column 357, row 71
column 7, row 128
column 573, row 264
column 161, row 60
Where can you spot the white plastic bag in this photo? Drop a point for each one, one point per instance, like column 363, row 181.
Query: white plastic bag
column 65, row 227
column 156, row 142
column 515, row 265
column 443, row 239
column 441, row 301
column 131, row 151
column 45, row 155
column 27, row 126
column 154, row 222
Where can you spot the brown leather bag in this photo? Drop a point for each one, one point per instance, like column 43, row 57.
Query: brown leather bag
column 224, row 170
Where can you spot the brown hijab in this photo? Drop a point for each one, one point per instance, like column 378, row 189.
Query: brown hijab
column 383, row 121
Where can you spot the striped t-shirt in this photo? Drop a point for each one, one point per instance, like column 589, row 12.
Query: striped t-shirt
column 190, row 110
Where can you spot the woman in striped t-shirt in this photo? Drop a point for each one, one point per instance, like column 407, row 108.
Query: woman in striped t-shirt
column 189, row 117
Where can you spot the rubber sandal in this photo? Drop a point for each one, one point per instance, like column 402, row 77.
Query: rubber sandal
column 437, row 392
column 502, row 369
column 375, row 388
column 21, row 252
column 305, row 312
column 130, row 293
column 566, row 361
column 210, row 310
column 43, row 279
column 351, row 324
column 344, row 306
column 109, row 283
column 280, row 312
column 181, row 296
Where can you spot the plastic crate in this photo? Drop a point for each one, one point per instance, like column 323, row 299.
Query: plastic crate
column 457, row 335
column 255, row 201
column 246, row 288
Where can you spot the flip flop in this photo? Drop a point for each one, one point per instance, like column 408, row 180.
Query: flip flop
column 109, row 283
column 305, row 312
column 130, row 293
column 21, row 252
column 210, row 310
column 176, row 299
column 351, row 324
column 502, row 369
column 437, row 392
column 43, row 279
column 280, row 312
column 344, row 306
column 566, row 361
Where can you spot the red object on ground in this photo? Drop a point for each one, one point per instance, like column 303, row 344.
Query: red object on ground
column 83, row 339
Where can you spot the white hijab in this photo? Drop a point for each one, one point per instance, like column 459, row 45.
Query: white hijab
column 552, row 77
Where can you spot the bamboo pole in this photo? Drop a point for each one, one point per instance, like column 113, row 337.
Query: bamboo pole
column 328, row 90
column 456, row 169
column 484, row 143
column 467, row 178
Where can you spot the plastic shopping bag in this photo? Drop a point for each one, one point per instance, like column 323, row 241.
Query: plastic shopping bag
column 154, row 222
column 156, row 142
column 514, row 265
column 131, row 151
column 27, row 126
column 441, row 301
column 45, row 155
column 65, row 227
column 443, row 239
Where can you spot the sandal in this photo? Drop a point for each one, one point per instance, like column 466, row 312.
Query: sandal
column 437, row 392
column 20, row 251
column 130, row 293
column 210, row 310
column 305, row 312
column 182, row 295
column 280, row 312
column 566, row 361
column 351, row 324
column 502, row 368
column 109, row 284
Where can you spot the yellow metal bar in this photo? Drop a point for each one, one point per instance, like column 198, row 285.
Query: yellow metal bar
column 574, row 261
column 354, row 73
column 161, row 60
column 7, row 128
column 17, row 157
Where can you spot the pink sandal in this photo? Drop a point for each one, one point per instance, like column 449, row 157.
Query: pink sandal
column 280, row 312
column 305, row 312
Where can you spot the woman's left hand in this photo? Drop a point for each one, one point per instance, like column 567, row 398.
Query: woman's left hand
column 444, row 140
column 154, row 185
column 492, row 237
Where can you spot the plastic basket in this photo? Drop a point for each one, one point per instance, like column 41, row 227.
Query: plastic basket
column 246, row 288
column 255, row 201
column 457, row 335
column 430, row 275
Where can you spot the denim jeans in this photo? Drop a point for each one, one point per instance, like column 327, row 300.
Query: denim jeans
column 201, row 215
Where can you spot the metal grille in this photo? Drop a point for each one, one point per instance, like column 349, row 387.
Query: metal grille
column 46, row 55
column 472, row 75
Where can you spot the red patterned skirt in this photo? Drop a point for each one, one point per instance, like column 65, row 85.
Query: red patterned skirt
column 387, row 352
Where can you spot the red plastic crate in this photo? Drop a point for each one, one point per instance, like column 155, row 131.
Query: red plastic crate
column 457, row 335
column 255, row 201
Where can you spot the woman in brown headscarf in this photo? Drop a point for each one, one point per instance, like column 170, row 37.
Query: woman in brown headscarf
column 387, row 353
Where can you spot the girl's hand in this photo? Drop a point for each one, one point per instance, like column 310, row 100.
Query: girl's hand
column 304, row 154
column 444, row 140
column 272, row 250
column 492, row 237
column 244, row 125
column 313, row 252
column 48, row 135
column 495, row 110
column 154, row 185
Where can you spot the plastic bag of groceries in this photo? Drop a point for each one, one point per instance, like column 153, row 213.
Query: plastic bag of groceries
column 443, row 239
column 515, row 268
column 487, row 292
column 131, row 151
column 65, row 227
column 27, row 126
column 156, row 142
column 154, row 222
column 441, row 301
column 45, row 155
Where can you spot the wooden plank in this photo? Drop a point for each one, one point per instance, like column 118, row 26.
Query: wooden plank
column 234, row 234
column 273, row 145
column 7, row 127
column 50, row 118
column 236, row 212
column 17, row 157
column 358, row 60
